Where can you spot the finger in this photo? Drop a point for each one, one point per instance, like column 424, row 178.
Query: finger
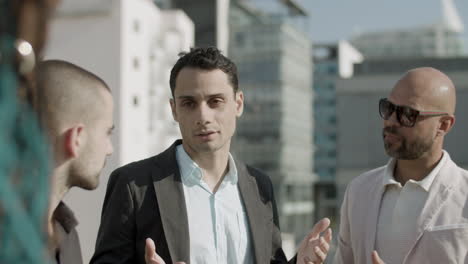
column 324, row 246
column 180, row 262
column 151, row 257
column 307, row 260
column 319, row 254
column 150, row 248
column 376, row 259
column 319, row 227
column 328, row 235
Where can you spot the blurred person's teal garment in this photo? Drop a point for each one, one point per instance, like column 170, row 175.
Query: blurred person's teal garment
column 23, row 165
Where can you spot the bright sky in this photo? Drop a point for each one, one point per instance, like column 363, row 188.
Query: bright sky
column 332, row 20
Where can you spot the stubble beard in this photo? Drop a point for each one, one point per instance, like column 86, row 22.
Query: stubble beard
column 406, row 150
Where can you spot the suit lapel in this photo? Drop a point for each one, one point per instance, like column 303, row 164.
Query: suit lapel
column 248, row 189
column 171, row 202
column 438, row 194
column 373, row 215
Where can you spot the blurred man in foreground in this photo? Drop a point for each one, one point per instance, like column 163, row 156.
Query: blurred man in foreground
column 76, row 111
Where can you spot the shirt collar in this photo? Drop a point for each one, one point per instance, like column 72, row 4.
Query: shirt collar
column 65, row 217
column 425, row 183
column 190, row 172
column 388, row 178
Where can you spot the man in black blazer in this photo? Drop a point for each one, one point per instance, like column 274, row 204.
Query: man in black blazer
column 194, row 202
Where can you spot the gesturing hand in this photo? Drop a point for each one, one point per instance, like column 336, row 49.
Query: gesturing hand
column 376, row 259
column 151, row 257
column 314, row 248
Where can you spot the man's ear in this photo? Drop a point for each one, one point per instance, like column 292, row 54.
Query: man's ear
column 173, row 109
column 239, row 103
column 446, row 124
column 75, row 139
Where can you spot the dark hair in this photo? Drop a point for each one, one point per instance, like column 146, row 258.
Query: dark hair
column 209, row 58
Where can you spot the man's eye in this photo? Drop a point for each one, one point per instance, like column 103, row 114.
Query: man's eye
column 188, row 104
column 216, row 101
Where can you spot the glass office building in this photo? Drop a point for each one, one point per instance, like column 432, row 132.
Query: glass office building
column 275, row 131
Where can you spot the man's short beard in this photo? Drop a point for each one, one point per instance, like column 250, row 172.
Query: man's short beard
column 407, row 151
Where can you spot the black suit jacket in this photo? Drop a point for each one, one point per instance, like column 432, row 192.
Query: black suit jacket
column 146, row 199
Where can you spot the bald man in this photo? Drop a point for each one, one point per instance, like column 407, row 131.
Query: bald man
column 76, row 113
column 415, row 208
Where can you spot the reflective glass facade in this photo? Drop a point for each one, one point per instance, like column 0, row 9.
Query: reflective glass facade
column 276, row 129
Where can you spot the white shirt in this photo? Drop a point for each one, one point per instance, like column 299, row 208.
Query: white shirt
column 399, row 213
column 218, row 225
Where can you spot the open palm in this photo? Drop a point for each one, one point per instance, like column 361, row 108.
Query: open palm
column 314, row 247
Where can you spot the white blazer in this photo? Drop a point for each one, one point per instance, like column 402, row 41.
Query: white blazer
column 442, row 235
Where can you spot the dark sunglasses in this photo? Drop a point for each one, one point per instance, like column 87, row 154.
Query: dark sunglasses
column 405, row 115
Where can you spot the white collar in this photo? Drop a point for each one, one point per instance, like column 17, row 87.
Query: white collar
column 425, row 183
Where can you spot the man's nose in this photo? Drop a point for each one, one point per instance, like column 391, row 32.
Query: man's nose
column 110, row 148
column 204, row 114
column 392, row 120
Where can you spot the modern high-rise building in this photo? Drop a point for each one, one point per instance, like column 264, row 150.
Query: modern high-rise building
column 164, row 4
column 275, row 132
column 331, row 63
column 210, row 18
column 441, row 39
column 132, row 45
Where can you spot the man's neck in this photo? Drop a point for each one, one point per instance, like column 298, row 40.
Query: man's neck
column 59, row 188
column 417, row 169
column 213, row 164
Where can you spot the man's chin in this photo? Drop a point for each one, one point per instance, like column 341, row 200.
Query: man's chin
column 209, row 147
column 403, row 155
column 89, row 185
column 391, row 151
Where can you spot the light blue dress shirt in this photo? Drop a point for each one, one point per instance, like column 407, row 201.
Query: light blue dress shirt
column 218, row 224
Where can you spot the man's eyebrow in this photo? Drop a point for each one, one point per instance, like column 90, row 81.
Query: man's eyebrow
column 181, row 97
column 185, row 97
column 217, row 95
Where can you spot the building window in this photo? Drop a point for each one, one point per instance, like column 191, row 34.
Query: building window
column 330, row 192
column 136, row 63
column 240, row 39
column 136, row 101
column 332, row 69
column 136, row 26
